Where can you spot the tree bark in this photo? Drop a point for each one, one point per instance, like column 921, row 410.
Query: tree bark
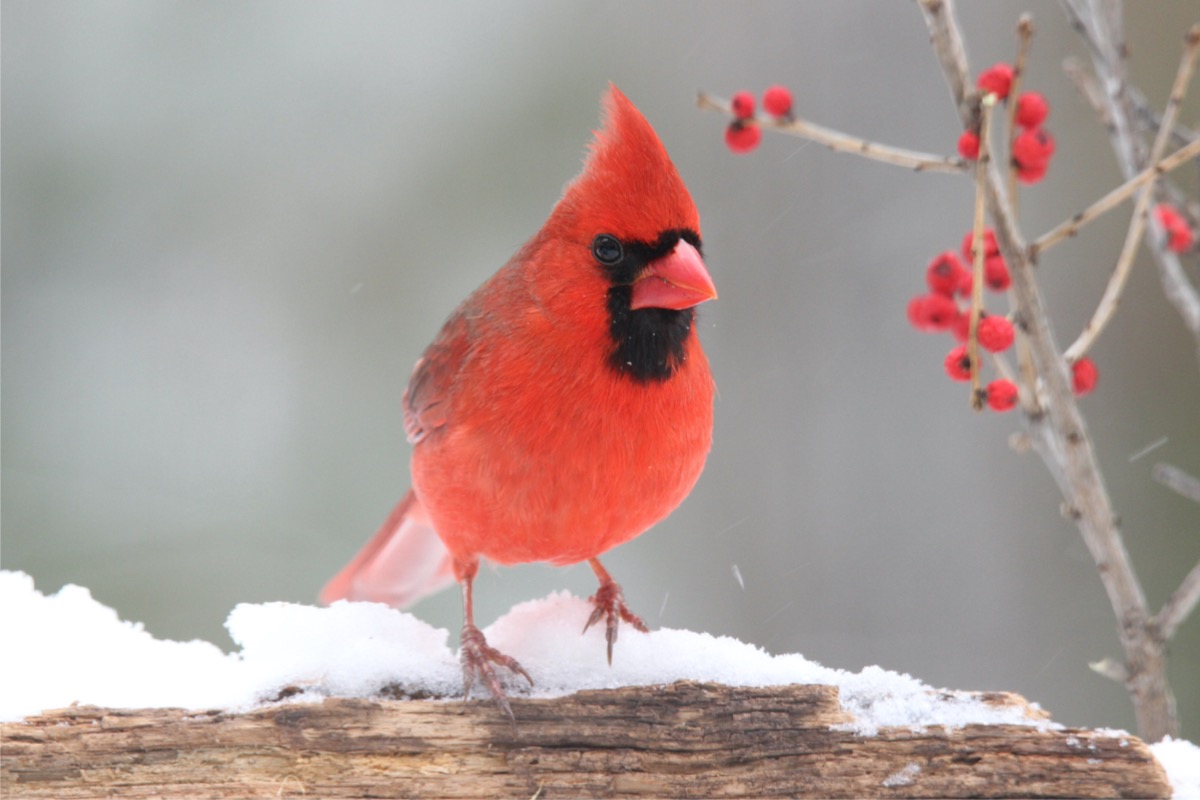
column 682, row 740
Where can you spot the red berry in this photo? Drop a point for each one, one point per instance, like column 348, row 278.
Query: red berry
column 961, row 326
column 940, row 311
column 1032, row 109
column 945, row 273
column 968, row 145
column 1084, row 375
column 995, row 334
column 1001, row 394
column 958, row 364
column 990, row 248
column 742, row 104
column 916, row 312
column 1175, row 225
column 1181, row 240
column 967, row 283
column 742, row 137
column 1169, row 216
column 777, row 100
column 1032, row 174
column 932, row 312
column 1033, row 147
column 996, row 79
column 995, row 273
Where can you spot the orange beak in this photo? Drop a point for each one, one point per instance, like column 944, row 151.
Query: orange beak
column 678, row 280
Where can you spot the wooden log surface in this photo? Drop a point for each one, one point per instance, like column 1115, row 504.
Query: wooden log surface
column 681, row 740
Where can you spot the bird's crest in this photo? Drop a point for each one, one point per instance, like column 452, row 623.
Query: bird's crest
column 628, row 186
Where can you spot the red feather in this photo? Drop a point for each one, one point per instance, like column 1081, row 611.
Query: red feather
column 532, row 441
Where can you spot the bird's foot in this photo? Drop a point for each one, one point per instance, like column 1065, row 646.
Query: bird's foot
column 610, row 605
column 477, row 658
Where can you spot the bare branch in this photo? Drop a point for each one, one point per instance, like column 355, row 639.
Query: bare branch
column 1071, row 227
column 948, row 47
column 1030, row 402
column 1097, row 26
column 1179, row 605
column 1152, row 120
column 1024, row 36
column 1110, row 668
column 1059, row 432
column 1116, row 283
column 1178, row 480
column 1180, row 292
column 844, row 143
column 1110, row 91
column 1057, row 429
column 1086, row 85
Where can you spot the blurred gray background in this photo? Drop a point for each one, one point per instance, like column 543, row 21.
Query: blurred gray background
column 230, row 228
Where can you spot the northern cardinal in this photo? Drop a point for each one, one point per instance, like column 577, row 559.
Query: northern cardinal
column 566, row 406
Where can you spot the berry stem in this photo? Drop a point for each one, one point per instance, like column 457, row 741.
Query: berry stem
column 987, row 107
column 843, row 143
column 1024, row 36
column 1024, row 39
column 1137, row 226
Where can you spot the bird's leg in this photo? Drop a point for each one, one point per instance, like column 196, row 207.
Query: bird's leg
column 610, row 605
column 476, row 654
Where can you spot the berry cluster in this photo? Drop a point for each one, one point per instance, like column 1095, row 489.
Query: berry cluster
column 743, row 134
column 1179, row 233
column 939, row 310
column 1033, row 146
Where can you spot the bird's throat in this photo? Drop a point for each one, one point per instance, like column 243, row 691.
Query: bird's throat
column 649, row 344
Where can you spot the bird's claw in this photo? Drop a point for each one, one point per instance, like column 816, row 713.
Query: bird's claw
column 477, row 658
column 610, row 605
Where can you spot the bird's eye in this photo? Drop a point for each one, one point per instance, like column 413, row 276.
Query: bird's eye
column 607, row 249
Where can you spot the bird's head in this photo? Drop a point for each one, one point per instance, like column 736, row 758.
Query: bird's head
column 629, row 231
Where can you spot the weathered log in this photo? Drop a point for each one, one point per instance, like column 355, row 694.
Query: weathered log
column 681, row 740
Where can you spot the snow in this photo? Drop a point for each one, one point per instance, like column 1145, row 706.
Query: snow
column 346, row 650
column 1181, row 760
column 544, row 636
column 67, row 647
column 75, row 650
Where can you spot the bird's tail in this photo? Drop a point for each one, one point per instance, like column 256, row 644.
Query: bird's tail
column 402, row 563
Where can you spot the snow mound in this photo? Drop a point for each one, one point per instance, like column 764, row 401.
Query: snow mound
column 75, row 650
column 1181, row 760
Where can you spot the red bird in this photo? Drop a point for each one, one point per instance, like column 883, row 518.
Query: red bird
column 566, row 406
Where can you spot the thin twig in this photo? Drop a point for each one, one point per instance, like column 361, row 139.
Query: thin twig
column 1116, row 283
column 987, row 107
column 1110, row 668
column 1152, row 120
column 1183, row 600
column 1071, row 227
column 1177, row 480
column 1030, row 402
column 844, row 143
column 1024, row 36
column 1104, row 34
column 1179, row 605
column 1086, row 85
column 1113, row 94
column 1084, row 23
column 1179, row 291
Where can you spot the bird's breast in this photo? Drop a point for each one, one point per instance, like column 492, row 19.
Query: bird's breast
column 551, row 455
